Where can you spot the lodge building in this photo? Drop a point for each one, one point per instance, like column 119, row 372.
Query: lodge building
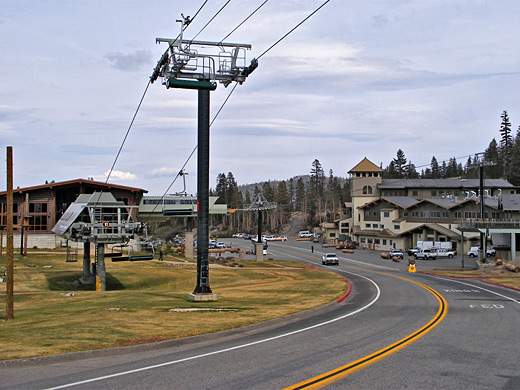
column 396, row 213
column 38, row 208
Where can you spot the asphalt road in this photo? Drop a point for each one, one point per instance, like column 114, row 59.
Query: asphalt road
column 396, row 330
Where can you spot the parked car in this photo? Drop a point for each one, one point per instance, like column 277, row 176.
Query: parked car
column 212, row 244
column 413, row 251
column 426, row 254
column 220, row 245
column 330, row 259
column 491, row 252
column 238, row 235
column 443, row 252
column 305, row 234
column 396, row 253
column 246, row 236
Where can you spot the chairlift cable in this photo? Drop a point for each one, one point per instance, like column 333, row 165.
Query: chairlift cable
column 229, row 95
column 294, row 28
column 207, row 24
column 245, row 20
column 192, row 152
column 135, row 115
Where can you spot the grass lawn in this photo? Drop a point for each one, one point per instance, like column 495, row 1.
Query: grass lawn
column 137, row 308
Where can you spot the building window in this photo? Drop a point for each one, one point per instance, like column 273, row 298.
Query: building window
column 363, row 240
column 376, row 241
column 415, row 193
column 434, row 193
column 37, row 208
column 375, row 225
column 368, row 225
column 369, row 240
column 397, row 227
column 367, row 190
column 384, row 242
column 386, row 214
column 38, row 223
column 332, row 235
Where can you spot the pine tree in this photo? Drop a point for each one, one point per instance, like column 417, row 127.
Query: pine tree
column 442, row 170
column 513, row 174
column 400, row 164
column 434, row 165
column 492, row 155
column 506, row 142
column 221, row 188
column 390, row 172
column 411, row 172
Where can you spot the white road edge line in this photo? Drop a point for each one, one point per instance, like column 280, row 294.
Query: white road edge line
column 227, row 349
column 472, row 285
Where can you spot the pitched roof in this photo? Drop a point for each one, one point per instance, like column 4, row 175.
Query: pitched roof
column 399, row 201
column 76, row 181
column 365, row 166
column 438, row 228
column 443, row 183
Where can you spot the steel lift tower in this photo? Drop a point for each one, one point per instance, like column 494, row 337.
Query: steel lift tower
column 260, row 204
column 191, row 64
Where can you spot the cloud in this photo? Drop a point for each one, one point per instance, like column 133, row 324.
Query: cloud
column 130, row 62
column 117, row 176
column 380, row 20
column 163, row 172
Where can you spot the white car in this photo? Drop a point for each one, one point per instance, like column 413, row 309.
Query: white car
column 443, row 252
column 330, row 259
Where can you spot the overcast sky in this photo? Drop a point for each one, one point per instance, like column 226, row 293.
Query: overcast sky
column 360, row 78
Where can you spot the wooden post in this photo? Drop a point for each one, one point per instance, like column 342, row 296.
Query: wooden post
column 26, row 224
column 10, row 246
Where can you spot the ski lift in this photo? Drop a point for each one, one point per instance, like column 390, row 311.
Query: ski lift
column 142, row 250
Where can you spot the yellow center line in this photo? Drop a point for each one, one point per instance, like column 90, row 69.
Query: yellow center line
column 335, row 375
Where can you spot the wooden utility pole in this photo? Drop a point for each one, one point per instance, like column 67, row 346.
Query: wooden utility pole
column 9, row 263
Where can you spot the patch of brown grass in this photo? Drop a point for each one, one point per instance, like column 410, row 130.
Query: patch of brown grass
column 136, row 308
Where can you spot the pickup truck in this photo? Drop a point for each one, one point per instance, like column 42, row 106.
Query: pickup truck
column 443, row 252
column 330, row 259
column 425, row 254
column 396, row 253
column 413, row 251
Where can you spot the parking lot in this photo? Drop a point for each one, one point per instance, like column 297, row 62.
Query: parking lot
column 276, row 251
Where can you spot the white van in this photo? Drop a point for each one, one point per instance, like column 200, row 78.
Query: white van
column 305, row 234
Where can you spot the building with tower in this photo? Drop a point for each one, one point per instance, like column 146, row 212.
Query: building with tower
column 398, row 213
